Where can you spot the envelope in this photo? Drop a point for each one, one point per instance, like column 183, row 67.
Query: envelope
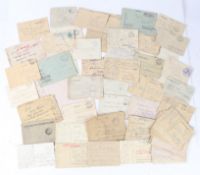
column 113, row 103
column 125, row 40
column 170, row 25
column 167, row 54
column 148, row 44
column 23, row 94
column 108, row 153
column 70, row 132
column 134, row 152
column 176, row 69
column 42, row 110
column 79, row 112
column 39, row 133
column 178, row 89
column 34, row 29
column 61, row 17
column 87, row 48
column 126, row 70
column 139, row 128
column 37, row 155
column 91, row 87
column 93, row 67
column 56, row 68
column 172, row 128
column 71, row 155
column 26, row 51
column 22, row 73
column 144, row 21
column 106, row 127
column 142, row 107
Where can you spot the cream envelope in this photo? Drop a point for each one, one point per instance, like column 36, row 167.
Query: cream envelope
column 70, row 132
column 103, row 153
column 87, row 48
column 33, row 29
column 138, row 128
column 126, row 70
column 142, row 107
column 125, row 40
column 148, row 44
column 71, row 155
column 115, row 87
column 178, row 89
column 148, row 88
column 176, row 69
column 113, row 103
column 38, row 155
column 172, row 128
column 177, row 44
column 26, row 51
column 167, row 54
column 93, row 67
column 79, row 112
column 92, row 20
column 22, row 73
column 134, row 152
column 61, row 17
column 106, row 127
column 90, row 87
column 170, row 25
column 42, row 110
column 39, row 133
column 23, row 94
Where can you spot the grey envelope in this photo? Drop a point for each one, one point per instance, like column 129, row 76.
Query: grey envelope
column 39, row 133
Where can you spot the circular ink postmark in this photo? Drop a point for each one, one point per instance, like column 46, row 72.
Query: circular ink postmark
column 48, row 131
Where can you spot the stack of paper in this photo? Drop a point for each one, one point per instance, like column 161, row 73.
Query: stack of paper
column 106, row 89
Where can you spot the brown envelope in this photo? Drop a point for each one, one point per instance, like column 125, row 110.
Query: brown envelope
column 39, row 133
column 106, row 127
column 44, row 109
column 22, row 73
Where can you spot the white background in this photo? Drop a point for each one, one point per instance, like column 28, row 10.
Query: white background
column 13, row 11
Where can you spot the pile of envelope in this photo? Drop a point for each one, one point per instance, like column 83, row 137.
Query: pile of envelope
column 97, row 89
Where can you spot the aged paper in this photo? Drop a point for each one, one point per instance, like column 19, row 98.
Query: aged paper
column 177, row 44
column 71, row 155
column 70, row 132
column 39, row 133
column 42, row 110
column 170, row 25
column 108, row 153
column 106, row 127
column 148, row 44
column 113, row 103
column 178, row 89
column 23, row 94
column 22, row 73
column 138, row 128
column 167, row 54
column 148, row 88
column 87, row 48
column 26, row 51
column 142, row 107
column 144, row 21
column 38, row 155
column 126, row 70
column 183, row 108
column 93, row 67
column 79, row 112
column 91, row 86
column 134, row 152
column 56, row 68
column 172, row 128
column 125, row 40
column 176, row 69
column 33, row 29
